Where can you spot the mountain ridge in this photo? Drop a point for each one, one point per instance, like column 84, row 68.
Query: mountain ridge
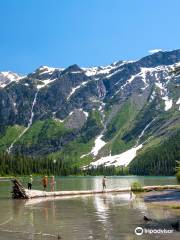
column 110, row 106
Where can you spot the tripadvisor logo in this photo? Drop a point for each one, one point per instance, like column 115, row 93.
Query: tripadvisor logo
column 139, row 231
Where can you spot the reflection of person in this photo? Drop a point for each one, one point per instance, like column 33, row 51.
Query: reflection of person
column 104, row 182
column 30, row 182
column 52, row 184
column 45, row 182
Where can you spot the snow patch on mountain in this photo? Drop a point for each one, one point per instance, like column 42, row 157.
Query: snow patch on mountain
column 73, row 90
column 45, row 83
column 98, row 70
column 8, row 77
column 86, row 114
column 160, row 86
column 58, row 119
column 70, row 113
column 85, row 155
column 152, row 97
column 92, row 71
column 164, row 93
column 49, row 70
column 155, row 50
column 46, row 69
column 142, row 74
column 178, row 101
column 168, row 103
column 113, row 73
column 161, row 74
column 99, row 143
column 122, row 159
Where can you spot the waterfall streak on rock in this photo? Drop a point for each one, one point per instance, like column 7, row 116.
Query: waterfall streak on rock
column 29, row 123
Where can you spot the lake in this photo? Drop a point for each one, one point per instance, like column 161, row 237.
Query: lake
column 99, row 217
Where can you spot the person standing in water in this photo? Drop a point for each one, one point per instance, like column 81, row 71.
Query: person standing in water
column 52, row 184
column 104, row 182
column 30, row 182
column 45, row 182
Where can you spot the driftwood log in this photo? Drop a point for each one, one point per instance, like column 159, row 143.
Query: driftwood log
column 18, row 191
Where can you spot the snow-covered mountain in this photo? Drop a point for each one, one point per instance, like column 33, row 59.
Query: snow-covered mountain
column 97, row 115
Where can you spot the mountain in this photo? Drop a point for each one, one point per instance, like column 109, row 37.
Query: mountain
column 110, row 115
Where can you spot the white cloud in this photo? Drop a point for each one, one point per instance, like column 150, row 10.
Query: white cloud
column 155, row 50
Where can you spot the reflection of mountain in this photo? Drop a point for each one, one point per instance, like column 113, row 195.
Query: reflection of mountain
column 90, row 114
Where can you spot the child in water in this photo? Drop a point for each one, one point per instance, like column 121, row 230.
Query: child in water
column 52, row 184
column 104, row 182
column 45, row 182
column 30, row 182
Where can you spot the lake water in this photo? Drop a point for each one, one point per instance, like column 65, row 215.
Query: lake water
column 99, row 217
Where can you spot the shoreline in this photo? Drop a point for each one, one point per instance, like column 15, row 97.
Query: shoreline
column 40, row 175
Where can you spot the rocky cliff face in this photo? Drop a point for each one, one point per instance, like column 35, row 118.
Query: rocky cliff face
column 79, row 108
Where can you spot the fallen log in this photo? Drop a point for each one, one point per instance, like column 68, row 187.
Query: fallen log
column 20, row 192
column 39, row 194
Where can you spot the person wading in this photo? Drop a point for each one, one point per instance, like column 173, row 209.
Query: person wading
column 45, row 182
column 30, row 182
column 104, row 182
column 52, row 184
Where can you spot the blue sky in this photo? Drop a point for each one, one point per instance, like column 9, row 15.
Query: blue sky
column 87, row 32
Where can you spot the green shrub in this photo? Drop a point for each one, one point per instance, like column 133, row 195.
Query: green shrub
column 178, row 171
column 136, row 187
column 178, row 176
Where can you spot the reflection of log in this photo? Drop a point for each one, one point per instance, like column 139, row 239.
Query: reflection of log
column 18, row 191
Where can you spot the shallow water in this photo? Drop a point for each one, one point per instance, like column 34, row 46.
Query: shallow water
column 99, row 217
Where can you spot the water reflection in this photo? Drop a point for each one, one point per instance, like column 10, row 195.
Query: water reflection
column 99, row 217
column 107, row 205
column 101, row 205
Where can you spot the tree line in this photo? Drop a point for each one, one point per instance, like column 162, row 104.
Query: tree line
column 23, row 165
column 159, row 160
column 20, row 165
